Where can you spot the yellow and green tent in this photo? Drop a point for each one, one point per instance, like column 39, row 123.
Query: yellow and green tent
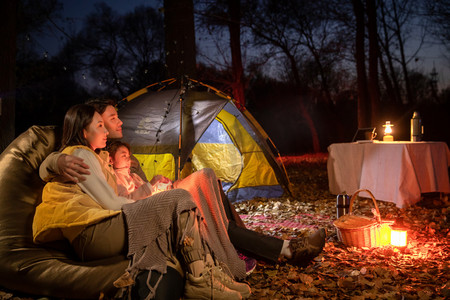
column 176, row 129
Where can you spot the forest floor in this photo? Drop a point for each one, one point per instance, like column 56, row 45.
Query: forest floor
column 419, row 271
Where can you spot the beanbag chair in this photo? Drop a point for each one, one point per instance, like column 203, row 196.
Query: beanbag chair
column 51, row 269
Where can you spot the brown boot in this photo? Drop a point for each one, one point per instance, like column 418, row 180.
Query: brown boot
column 207, row 286
column 305, row 249
column 227, row 281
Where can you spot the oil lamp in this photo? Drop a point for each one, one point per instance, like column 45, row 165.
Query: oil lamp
column 399, row 234
column 388, row 132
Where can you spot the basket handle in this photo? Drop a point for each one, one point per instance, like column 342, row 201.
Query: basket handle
column 374, row 203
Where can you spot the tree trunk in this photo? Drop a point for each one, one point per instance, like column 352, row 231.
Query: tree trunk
column 8, row 15
column 303, row 110
column 390, row 93
column 180, row 38
column 393, row 75
column 234, row 26
column 323, row 77
column 402, row 55
column 374, row 88
column 363, row 95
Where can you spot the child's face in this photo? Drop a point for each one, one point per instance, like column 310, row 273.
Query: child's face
column 121, row 158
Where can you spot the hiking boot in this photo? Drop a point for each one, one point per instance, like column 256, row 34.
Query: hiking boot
column 227, row 281
column 250, row 263
column 306, row 248
column 208, row 287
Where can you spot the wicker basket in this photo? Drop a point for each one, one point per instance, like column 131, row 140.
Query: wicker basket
column 360, row 231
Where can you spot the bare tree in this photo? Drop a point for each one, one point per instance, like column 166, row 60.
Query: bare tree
column 271, row 24
column 214, row 18
column 234, row 25
column 180, row 37
column 373, row 86
column 397, row 20
column 100, row 45
column 8, row 15
column 121, row 53
column 318, row 32
column 21, row 21
column 438, row 12
column 360, row 57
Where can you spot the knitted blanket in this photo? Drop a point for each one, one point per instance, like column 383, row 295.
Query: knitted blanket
column 204, row 188
column 150, row 220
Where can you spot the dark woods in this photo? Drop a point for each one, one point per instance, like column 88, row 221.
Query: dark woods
column 311, row 72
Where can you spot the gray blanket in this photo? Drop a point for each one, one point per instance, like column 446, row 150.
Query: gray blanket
column 150, row 220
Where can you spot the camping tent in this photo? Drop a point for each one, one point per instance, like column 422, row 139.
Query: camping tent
column 175, row 128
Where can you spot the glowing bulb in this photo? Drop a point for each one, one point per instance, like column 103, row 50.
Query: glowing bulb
column 388, row 127
column 398, row 238
column 388, row 131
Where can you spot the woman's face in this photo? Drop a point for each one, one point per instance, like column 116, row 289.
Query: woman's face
column 96, row 132
column 121, row 158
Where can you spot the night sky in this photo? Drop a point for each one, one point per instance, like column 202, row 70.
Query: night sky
column 74, row 12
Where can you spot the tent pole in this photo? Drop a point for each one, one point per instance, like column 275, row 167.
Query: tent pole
column 182, row 92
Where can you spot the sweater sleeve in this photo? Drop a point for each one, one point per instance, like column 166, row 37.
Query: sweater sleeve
column 141, row 192
column 96, row 185
column 48, row 170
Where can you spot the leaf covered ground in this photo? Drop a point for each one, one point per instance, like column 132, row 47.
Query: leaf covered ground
column 420, row 271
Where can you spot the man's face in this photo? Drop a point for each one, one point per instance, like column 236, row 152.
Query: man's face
column 112, row 123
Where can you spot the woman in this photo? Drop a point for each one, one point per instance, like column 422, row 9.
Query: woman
column 93, row 218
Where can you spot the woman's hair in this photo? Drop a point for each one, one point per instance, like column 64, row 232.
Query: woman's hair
column 114, row 146
column 77, row 118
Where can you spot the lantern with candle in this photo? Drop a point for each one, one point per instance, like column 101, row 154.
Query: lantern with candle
column 388, row 132
column 399, row 234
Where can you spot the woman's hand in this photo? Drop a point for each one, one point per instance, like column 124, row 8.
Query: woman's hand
column 72, row 168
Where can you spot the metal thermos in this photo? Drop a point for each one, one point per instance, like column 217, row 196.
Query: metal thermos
column 342, row 205
column 416, row 127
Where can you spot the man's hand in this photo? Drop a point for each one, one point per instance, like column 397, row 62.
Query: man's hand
column 72, row 168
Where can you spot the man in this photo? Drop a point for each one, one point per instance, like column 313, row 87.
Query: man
column 298, row 251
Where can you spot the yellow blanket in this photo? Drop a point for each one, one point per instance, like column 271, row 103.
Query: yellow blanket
column 66, row 210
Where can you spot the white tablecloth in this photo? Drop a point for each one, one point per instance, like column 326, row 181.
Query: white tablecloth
column 393, row 171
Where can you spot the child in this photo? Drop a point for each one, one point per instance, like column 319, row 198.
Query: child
column 130, row 185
